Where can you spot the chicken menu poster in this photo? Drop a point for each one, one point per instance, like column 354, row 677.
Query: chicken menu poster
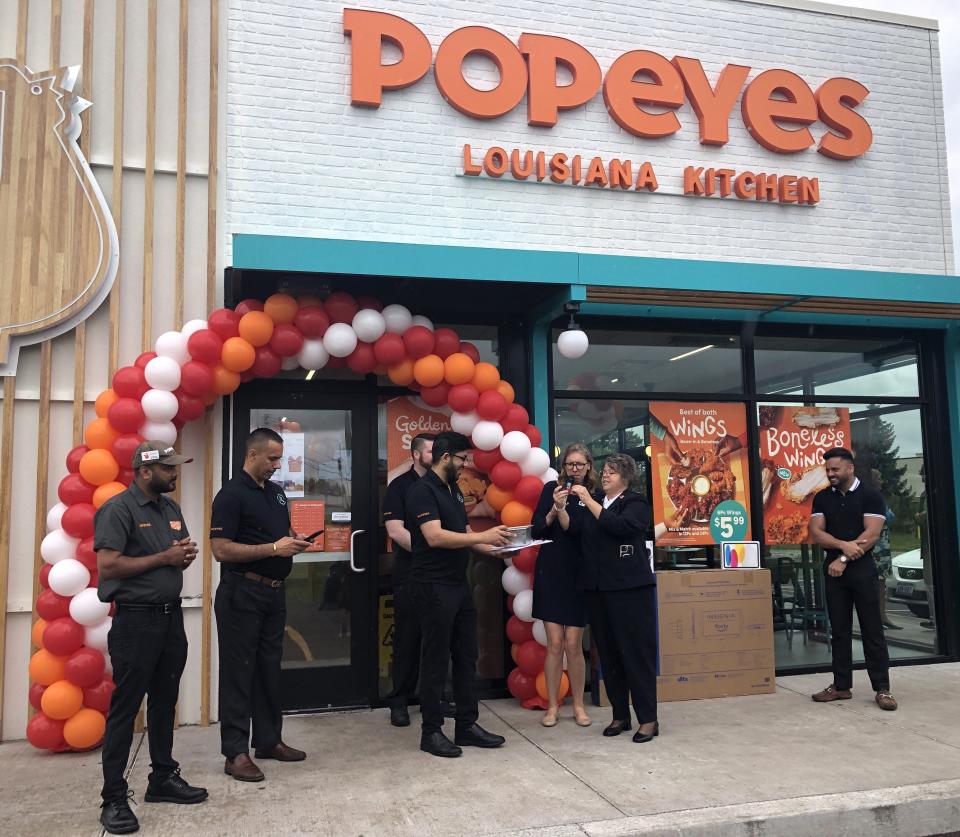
column 701, row 491
column 792, row 443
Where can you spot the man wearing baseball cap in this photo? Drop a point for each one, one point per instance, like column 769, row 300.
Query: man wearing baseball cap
column 143, row 547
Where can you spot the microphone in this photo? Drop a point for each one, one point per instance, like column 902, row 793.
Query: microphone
column 568, row 483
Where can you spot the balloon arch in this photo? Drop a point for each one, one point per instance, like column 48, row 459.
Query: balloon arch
column 190, row 369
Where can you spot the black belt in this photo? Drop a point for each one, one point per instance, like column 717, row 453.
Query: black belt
column 262, row 579
column 150, row 607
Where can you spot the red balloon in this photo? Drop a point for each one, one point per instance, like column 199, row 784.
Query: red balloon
column 515, row 418
column 224, row 323
column 52, row 606
column 63, row 636
column 84, row 667
column 362, row 360
column 86, row 554
column 463, row 397
column 45, row 733
column 518, row 631
column 445, row 342
column 470, row 351
column 369, row 302
column 506, row 474
column 247, row 376
column 530, row 658
column 390, row 349
column 98, row 696
column 125, row 476
column 418, row 341
column 75, row 489
column 34, row 695
column 340, row 307
column 528, row 491
column 491, row 405
column 143, row 359
column 486, row 459
column 286, row 340
column 94, row 579
column 266, row 362
column 534, row 434
column 526, row 559
column 74, row 457
column 436, row 396
column 245, row 307
column 196, row 378
column 124, row 447
column 126, row 415
column 521, row 686
column 130, row 382
column 205, row 345
column 44, row 575
column 191, row 407
column 77, row 520
column 312, row 321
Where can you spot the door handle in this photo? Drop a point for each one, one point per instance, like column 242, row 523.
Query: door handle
column 353, row 564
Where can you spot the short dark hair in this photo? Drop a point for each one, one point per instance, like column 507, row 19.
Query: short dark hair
column 419, row 441
column 449, row 442
column 624, row 464
column 842, row 453
column 259, row 437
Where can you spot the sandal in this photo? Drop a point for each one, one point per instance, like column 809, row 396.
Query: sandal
column 549, row 720
column 582, row 718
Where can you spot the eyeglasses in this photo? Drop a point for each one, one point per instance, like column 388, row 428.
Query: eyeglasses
column 458, row 456
column 577, row 465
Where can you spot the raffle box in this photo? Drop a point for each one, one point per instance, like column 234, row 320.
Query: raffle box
column 716, row 634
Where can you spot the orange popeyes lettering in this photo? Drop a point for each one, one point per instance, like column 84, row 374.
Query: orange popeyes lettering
column 545, row 98
column 623, row 95
column 762, row 112
column 836, row 98
column 646, row 179
column 712, row 104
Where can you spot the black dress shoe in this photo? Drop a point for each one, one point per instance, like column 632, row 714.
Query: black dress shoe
column 616, row 727
column 644, row 737
column 174, row 788
column 437, row 744
column 476, row 736
column 399, row 716
column 449, row 709
column 117, row 818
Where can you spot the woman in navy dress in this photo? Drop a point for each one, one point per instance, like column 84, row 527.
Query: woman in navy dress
column 556, row 599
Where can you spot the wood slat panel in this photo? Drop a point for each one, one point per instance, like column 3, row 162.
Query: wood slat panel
column 181, row 165
column 116, row 205
column 23, row 17
column 6, row 485
column 146, row 327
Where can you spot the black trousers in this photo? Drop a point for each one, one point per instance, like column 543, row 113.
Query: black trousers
column 624, row 627
column 148, row 652
column 857, row 590
column 406, row 646
column 448, row 625
column 251, row 618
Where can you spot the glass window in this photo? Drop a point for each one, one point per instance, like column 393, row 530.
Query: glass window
column 649, row 361
column 605, row 426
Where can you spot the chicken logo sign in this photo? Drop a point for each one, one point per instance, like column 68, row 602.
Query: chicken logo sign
column 58, row 243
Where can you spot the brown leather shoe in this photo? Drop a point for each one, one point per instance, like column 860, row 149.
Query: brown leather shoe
column 243, row 769
column 832, row 693
column 886, row 701
column 281, row 752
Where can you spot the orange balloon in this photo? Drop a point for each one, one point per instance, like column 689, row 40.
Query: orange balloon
column 542, row 686
column 507, row 391
column 104, row 401
column 106, row 491
column 497, row 497
column 225, row 380
column 256, row 327
column 85, row 729
column 212, row 397
column 485, row 376
column 46, row 668
column 36, row 633
column 237, row 354
column 515, row 513
column 401, row 373
column 100, row 434
column 281, row 308
column 98, row 467
column 428, row 371
column 513, row 651
column 458, row 369
column 61, row 700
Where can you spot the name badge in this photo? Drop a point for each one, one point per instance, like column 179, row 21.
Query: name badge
column 626, row 550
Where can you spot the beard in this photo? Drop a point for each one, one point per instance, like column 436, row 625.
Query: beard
column 450, row 473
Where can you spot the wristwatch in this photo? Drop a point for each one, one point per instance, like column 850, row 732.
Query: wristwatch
column 843, row 559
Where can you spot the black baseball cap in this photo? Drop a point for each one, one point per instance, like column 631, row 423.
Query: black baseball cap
column 157, row 453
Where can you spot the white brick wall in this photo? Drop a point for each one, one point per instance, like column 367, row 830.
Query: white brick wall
column 302, row 161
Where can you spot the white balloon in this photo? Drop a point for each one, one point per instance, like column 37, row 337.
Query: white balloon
column 107, row 664
column 487, row 434
column 86, row 609
column 58, row 546
column 54, row 516
column 369, row 325
column 535, row 462
column 398, row 318
column 95, row 636
column 159, row 431
column 172, row 344
column 523, row 606
column 291, row 363
column 68, row 577
column 573, row 344
column 340, row 340
column 426, row 322
column 159, row 405
column 550, row 475
column 313, row 355
column 514, row 581
column 515, row 446
column 464, row 422
column 508, row 562
column 163, row 373
column 540, row 633
column 191, row 328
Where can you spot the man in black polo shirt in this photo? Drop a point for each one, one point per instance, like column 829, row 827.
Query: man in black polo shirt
column 250, row 534
column 143, row 547
column 846, row 521
column 441, row 544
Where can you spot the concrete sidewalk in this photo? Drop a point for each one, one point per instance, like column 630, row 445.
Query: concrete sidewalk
column 769, row 765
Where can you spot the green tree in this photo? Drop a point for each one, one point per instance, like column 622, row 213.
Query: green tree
column 875, row 443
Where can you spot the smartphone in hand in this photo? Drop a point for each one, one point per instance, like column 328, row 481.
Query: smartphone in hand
column 312, row 537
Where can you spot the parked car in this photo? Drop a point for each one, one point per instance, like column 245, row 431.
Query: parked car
column 905, row 583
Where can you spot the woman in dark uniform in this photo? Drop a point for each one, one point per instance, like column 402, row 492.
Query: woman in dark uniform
column 557, row 601
column 621, row 595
